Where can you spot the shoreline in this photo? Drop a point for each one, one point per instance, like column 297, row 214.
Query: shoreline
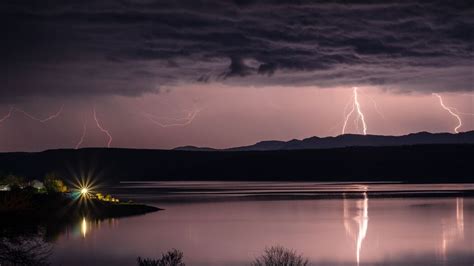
column 26, row 208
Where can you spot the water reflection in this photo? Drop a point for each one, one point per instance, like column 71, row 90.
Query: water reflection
column 359, row 217
column 460, row 215
column 84, row 227
column 329, row 231
column 87, row 226
column 81, row 229
column 453, row 231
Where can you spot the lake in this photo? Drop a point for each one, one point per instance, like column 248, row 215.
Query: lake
column 231, row 223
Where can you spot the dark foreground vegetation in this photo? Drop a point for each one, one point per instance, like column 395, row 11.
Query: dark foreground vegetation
column 272, row 256
column 280, row 256
column 26, row 248
column 173, row 257
column 418, row 163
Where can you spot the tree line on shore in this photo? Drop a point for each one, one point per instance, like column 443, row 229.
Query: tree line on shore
column 51, row 183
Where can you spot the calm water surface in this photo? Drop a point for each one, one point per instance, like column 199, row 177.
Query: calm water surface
column 216, row 223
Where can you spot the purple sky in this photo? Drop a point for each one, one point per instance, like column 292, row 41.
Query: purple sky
column 214, row 73
column 225, row 116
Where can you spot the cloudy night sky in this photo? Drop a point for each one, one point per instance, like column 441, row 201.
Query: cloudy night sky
column 162, row 74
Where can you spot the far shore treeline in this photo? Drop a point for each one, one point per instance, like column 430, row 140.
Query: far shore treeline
column 417, row 163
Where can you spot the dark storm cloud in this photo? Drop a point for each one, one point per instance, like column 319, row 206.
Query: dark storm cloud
column 238, row 68
column 131, row 47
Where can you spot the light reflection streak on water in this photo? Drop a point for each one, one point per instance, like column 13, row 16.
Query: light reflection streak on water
column 361, row 218
column 84, row 227
column 363, row 222
column 452, row 233
column 460, row 215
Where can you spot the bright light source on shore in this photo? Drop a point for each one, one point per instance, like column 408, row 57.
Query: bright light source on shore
column 84, row 189
column 84, row 192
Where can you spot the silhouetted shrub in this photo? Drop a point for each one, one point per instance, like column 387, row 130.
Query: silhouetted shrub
column 54, row 184
column 280, row 256
column 21, row 250
column 173, row 257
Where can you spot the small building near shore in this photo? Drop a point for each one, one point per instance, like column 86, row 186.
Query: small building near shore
column 37, row 184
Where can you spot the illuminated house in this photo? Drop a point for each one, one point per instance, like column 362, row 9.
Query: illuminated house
column 37, row 184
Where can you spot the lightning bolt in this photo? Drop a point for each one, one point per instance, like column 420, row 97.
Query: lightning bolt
column 53, row 116
column 377, row 108
column 178, row 121
column 460, row 113
column 105, row 131
column 7, row 115
column 347, row 119
column 347, row 116
column 84, row 129
column 463, row 113
column 451, row 111
column 360, row 114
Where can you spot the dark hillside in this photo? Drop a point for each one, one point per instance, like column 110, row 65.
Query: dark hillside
column 418, row 163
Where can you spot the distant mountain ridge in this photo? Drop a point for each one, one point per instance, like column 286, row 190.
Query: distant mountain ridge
column 350, row 140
